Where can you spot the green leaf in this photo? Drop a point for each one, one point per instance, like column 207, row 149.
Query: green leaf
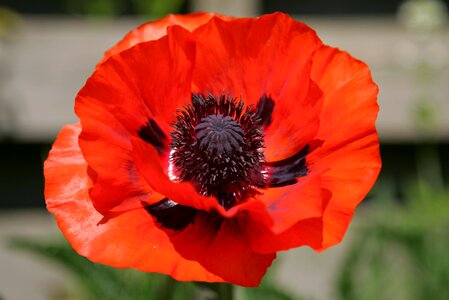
column 157, row 8
column 266, row 291
column 400, row 251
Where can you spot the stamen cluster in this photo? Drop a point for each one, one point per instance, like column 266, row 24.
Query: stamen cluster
column 217, row 146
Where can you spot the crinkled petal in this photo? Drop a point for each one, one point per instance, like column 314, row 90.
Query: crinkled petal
column 130, row 239
column 290, row 204
column 307, row 232
column 268, row 56
column 222, row 247
column 349, row 156
column 317, row 210
column 156, row 29
column 119, row 99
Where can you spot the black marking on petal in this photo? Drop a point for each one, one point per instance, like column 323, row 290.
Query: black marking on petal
column 152, row 134
column 264, row 110
column 171, row 215
column 285, row 172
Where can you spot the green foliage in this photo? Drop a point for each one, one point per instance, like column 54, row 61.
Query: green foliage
column 9, row 22
column 105, row 8
column 401, row 251
column 267, row 292
column 157, row 8
column 111, row 8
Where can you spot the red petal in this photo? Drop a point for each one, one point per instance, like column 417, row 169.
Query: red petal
column 295, row 122
column 317, row 210
column 223, row 249
column 271, row 56
column 151, row 168
column 291, row 216
column 130, row 239
column 156, row 29
column 118, row 99
column 307, row 232
column 290, row 204
column 350, row 154
column 350, row 107
column 349, row 160
column 351, row 170
column 150, row 80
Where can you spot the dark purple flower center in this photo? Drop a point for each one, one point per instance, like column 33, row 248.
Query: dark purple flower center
column 218, row 134
column 217, row 146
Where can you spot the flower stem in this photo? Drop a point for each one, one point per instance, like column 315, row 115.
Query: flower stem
column 167, row 289
column 225, row 291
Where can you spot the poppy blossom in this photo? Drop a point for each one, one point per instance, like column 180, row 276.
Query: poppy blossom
column 206, row 144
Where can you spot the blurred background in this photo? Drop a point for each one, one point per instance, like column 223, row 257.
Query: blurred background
column 397, row 246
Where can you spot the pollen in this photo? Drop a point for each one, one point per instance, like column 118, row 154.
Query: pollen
column 217, row 145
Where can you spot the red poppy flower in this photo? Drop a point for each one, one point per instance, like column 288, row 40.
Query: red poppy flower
column 206, row 144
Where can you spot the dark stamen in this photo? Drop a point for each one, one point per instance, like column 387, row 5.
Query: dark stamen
column 264, row 110
column 172, row 215
column 217, row 146
column 153, row 134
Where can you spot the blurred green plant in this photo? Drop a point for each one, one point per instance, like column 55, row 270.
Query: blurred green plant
column 9, row 22
column 266, row 291
column 111, row 8
column 102, row 8
column 401, row 249
column 157, row 8
column 95, row 281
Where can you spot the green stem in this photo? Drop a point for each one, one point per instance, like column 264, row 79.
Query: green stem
column 225, row 291
column 167, row 289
